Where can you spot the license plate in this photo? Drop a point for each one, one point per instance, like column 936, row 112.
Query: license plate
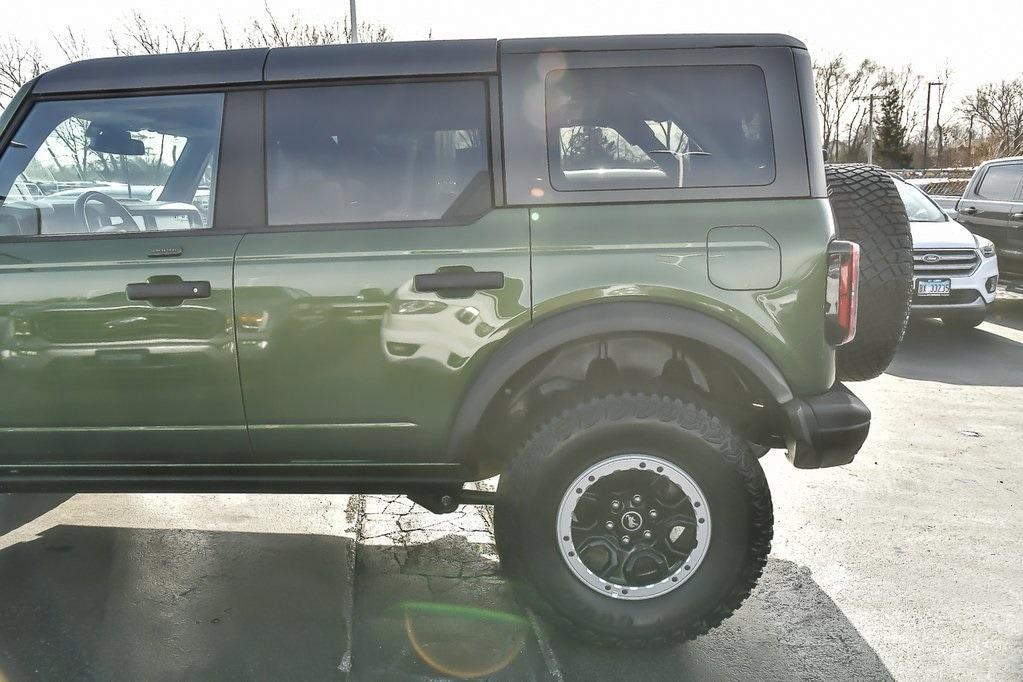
column 934, row 287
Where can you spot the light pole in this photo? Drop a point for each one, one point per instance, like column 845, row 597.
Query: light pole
column 870, row 126
column 355, row 22
column 927, row 116
column 969, row 144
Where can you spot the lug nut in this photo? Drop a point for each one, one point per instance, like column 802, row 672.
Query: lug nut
column 616, row 505
column 653, row 513
column 647, row 535
column 636, row 499
column 626, row 539
column 609, row 525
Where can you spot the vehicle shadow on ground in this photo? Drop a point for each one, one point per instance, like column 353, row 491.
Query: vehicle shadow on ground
column 932, row 351
column 125, row 604
column 17, row 511
column 99, row 603
column 1008, row 312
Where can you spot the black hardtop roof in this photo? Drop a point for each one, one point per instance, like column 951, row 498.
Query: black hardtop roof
column 648, row 42
column 362, row 60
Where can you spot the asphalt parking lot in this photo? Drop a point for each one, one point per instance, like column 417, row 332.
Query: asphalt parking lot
column 906, row 564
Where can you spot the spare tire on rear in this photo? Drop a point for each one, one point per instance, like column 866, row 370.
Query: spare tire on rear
column 869, row 211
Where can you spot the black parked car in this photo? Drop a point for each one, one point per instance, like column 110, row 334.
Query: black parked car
column 992, row 206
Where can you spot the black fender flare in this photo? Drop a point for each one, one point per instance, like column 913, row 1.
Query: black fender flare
column 557, row 329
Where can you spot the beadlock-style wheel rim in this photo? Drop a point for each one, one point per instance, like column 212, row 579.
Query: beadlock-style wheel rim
column 634, row 527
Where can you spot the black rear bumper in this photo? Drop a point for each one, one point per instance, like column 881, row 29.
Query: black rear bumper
column 826, row 430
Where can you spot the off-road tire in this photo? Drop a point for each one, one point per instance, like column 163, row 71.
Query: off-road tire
column 593, row 430
column 758, row 450
column 869, row 211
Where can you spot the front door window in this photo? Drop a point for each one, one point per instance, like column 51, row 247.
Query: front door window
column 130, row 164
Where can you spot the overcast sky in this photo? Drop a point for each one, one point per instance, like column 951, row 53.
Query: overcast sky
column 982, row 40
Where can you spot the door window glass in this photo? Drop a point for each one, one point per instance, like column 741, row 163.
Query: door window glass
column 601, row 153
column 134, row 164
column 377, row 153
column 1000, row 182
column 659, row 127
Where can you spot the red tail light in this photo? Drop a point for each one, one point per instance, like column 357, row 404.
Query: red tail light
column 841, row 298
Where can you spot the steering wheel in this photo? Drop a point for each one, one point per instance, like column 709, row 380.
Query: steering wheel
column 113, row 206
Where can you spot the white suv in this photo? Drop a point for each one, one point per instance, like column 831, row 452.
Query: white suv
column 955, row 272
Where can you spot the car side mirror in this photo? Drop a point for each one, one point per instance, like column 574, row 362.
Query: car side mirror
column 826, row 154
column 113, row 141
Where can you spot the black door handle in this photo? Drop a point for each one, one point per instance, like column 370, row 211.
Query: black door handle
column 148, row 291
column 459, row 281
column 969, row 210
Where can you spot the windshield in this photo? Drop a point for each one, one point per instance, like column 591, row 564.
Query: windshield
column 919, row 207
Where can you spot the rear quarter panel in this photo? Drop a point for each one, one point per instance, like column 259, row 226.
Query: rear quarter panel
column 660, row 252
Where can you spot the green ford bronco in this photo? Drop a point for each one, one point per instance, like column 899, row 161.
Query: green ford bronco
column 612, row 270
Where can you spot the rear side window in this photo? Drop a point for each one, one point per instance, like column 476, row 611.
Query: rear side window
column 377, row 153
column 1000, row 182
column 659, row 127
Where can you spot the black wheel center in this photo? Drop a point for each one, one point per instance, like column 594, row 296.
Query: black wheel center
column 632, row 521
column 653, row 537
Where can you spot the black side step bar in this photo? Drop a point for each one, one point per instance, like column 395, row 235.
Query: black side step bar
column 447, row 502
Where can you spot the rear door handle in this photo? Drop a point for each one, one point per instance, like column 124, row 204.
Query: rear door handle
column 147, row 291
column 459, row 281
column 1016, row 216
column 969, row 210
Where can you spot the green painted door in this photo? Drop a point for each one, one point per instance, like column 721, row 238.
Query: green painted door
column 343, row 359
column 344, row 355
column 117, row 339
column 91, row 376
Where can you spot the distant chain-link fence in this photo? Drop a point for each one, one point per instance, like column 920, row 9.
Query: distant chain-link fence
column 938, row 181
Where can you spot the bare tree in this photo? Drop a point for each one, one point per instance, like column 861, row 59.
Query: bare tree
column 227, row 40
column 73, row 46
column 139, row 35
column 957, row 142
column 270, row 30
column 857, row 130
column 999, row 108
column 20, row 62
column 370, row 32
column 837, row 90
column 826, row 81
column 944, row 77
